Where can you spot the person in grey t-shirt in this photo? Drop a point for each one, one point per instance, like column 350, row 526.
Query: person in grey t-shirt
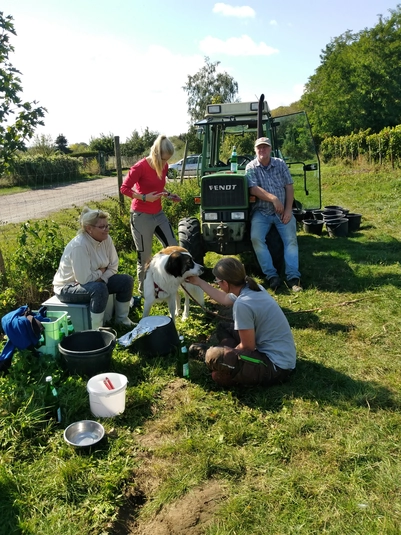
column 270, row 181
column 259, row 349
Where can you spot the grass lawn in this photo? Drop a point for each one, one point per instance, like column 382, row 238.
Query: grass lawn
column 317, row 455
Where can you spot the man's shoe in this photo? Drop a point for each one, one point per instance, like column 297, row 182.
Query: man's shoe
column 294, row 285
column 197, row 352
column 274, row 283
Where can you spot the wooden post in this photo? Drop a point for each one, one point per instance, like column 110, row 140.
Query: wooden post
column 184, row 160
column 117, row 153
column 3, row 268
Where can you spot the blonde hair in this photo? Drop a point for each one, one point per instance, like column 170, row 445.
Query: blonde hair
column 162, row 147
column 232, row 271
column 90, row 217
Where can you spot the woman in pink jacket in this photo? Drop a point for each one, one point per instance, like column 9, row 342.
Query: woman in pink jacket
column 145, row 185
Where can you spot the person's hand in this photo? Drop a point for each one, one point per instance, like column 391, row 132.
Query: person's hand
column 278, row 206
column 193, row 279
column 286, row 216
column 153, row 196
column 171, row 196
column 174, row 197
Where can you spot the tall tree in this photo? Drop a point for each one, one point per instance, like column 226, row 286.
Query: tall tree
column 133, row 145
column 18, row 119
column 148, row 138
column 62, row 144
column 42, row 145
column 103, row 143
column 356, row 87
column 207, row 86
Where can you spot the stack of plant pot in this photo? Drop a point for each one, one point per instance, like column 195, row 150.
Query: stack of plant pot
column 338, row 220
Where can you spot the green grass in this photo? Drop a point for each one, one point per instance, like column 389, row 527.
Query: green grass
column 318, row 455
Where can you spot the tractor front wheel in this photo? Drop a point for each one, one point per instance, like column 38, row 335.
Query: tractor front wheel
column 190, row 237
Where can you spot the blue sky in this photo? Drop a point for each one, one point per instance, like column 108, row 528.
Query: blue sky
column 115, row 67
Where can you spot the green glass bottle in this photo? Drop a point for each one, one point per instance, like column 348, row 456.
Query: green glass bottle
column 182, row 359
column 71, row 329
column 234, row 160
column 52, row 405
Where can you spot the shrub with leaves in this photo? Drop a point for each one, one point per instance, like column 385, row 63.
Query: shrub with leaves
column 36, row 259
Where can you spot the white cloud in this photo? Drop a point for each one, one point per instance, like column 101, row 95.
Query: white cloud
column 236, row 46
column 241, row 12
column 105, row 85
column 273, row 22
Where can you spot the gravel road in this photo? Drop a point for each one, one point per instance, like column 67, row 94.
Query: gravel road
column 37, row 204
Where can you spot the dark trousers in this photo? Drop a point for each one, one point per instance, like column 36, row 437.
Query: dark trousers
column 97, row 293
column 231, row 366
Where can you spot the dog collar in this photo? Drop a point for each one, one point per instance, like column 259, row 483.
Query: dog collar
column 157, row 290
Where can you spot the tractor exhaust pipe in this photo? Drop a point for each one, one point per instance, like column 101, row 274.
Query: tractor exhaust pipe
column 260, row 112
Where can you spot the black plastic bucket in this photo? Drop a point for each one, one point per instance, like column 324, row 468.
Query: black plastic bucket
column 162, row 341
column 332, row 217
column 337, row 228
column 354, row 222
column 334, row 207
column 313, row 226
column 318, row 214
column 88, row 352
column 331, row 213
column 299, row 214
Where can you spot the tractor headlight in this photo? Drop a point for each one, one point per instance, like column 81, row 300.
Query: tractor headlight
column 211, row 216
column 237, row 216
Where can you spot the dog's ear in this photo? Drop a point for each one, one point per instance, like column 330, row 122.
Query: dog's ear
column 174, row 264
column 187, row 264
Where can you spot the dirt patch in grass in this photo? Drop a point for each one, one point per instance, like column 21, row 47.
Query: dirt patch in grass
column 188, row 515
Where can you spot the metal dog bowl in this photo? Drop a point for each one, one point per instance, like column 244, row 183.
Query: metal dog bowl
column 84, row 433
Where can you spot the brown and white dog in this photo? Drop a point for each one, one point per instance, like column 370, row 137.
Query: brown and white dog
column 164, row 275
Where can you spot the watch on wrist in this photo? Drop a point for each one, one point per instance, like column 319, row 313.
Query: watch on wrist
column 144, row 197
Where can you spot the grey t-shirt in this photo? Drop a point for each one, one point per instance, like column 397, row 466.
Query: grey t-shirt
column 259, row 311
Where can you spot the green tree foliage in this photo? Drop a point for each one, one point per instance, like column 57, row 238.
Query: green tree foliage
column 79, row 147
column 133, row 146
column 103, row 143
column 149, row 137
column 62, row 144
column 194, row 142
column 208, row 86
column 42, row 145
column 138, row 145
column 18, row 119
column 356, row 87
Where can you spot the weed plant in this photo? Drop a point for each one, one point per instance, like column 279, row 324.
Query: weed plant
column 317, row 455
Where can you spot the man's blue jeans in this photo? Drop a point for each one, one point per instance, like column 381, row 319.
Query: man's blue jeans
column 260, row 226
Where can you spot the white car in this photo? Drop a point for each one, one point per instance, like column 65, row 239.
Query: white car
column 192, row 165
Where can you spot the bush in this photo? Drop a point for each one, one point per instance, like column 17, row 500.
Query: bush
column 40, row 170
column 35, row 261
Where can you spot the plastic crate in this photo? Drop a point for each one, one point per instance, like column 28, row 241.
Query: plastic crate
column 79, row 313
column 52, row 333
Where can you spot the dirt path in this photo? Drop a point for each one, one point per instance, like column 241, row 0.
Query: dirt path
column 40, row 203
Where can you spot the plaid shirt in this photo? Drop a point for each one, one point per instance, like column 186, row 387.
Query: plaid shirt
column 272, row 178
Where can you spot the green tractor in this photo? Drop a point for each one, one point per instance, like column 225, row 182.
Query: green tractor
column 224, row 200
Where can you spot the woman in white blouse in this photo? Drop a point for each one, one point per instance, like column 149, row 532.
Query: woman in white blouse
column 88, row 271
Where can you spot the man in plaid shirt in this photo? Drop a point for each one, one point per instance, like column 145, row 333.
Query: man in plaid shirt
column 270, row 181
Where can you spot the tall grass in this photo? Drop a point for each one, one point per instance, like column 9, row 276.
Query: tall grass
column 318, row 455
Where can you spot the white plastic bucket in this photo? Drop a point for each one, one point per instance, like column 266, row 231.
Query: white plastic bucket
column 104, row 402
